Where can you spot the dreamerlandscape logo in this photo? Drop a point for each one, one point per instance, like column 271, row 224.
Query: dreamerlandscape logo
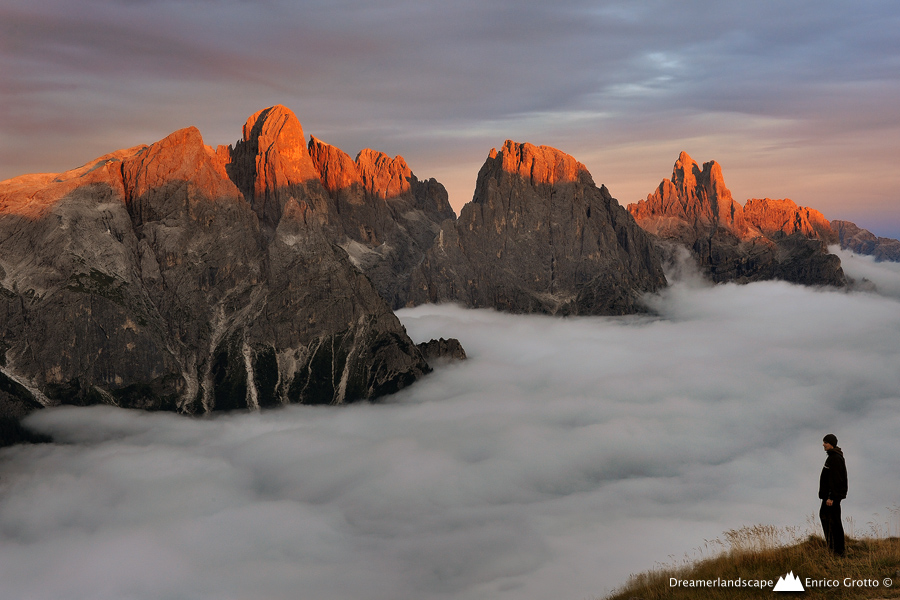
column 786, row 583
column 789, row 583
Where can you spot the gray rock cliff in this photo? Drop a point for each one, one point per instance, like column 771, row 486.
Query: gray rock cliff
column 539, row 236
column 385, row 217
column 178, row 277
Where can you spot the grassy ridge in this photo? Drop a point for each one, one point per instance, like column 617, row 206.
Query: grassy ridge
column 759, row 553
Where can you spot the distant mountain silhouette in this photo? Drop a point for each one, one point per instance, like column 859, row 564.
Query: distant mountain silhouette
column 863, row 241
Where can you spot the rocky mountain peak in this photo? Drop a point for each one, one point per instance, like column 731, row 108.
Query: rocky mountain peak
column 336, row 169
column 685, row 172
column 33, row 195
column 767, row 239
column 174, row 276
column 386, row 217
column 280, row 145
column 694, row 196
column 783, row 217
column 862, row 241
column 189, row 136
column 163, row 179
column 535, row 164
column 539, row 236
column 382, row 175
column 271, row 164
column 276, row 129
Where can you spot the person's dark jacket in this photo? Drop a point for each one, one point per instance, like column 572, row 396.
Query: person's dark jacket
column 833, row 481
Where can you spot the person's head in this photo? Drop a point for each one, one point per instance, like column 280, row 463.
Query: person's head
column 829, row 441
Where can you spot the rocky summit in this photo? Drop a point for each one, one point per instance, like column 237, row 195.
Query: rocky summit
column 862, row 241
column 178, row 277
column 385, row 217
column 539, row 236
column 764, row 239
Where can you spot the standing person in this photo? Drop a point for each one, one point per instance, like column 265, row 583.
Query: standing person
column 833, row 489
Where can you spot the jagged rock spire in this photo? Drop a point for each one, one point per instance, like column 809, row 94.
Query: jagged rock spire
column 693, row 195
column 271, row 165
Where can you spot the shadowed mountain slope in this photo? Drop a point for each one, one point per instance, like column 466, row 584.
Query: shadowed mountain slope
column 386, row 217
column 539, row 236
column 176, row 277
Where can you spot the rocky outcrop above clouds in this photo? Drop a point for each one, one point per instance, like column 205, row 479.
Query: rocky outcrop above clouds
column 270, row 165
column 765, row 239
column 862, row 241
column 373, row 207
column 692, row 204
column 176, row 277
column 385, row 217
column 780, row 218
column 539, row 236
column 442, row 350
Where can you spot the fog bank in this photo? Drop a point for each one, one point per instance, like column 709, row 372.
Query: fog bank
column 879, row 277
column 562, row 456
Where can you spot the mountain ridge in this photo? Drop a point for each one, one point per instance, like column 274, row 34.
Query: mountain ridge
column 764, row 239
column 540, row 236
column 175, row 276
column 147, row 279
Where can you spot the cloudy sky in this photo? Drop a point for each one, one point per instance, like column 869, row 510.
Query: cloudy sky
column 564, row 455
column 795, row 99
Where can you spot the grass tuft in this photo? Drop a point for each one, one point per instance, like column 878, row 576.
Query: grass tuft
column 766, row 552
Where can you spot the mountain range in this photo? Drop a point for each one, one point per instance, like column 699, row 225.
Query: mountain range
column 180, row 277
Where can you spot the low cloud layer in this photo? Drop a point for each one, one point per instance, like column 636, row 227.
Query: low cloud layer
column 564, row 455
column 879, row 277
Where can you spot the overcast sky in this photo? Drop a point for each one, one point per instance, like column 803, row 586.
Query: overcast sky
column 564, row 455
column 795, row 99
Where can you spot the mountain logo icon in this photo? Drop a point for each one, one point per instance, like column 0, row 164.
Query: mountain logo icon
column 788, row 583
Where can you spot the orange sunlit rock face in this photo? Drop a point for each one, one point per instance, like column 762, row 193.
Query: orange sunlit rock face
column 164, row 178
column 382, row 175
column 784, row 217
column 375, row 172
column 537, row 164
column 699, row 200
column 129, row 175
column 766, row 239
column 32, row 196
column 271, row 165
column 694, row 197
column 281, row 157
column 335, row 167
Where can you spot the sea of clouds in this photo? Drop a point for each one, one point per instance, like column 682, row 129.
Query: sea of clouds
column 564, row 455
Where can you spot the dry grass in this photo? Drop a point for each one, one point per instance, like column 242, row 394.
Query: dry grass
column 764, row 552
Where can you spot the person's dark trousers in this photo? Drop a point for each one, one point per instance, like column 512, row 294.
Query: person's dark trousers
column 831, row 525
